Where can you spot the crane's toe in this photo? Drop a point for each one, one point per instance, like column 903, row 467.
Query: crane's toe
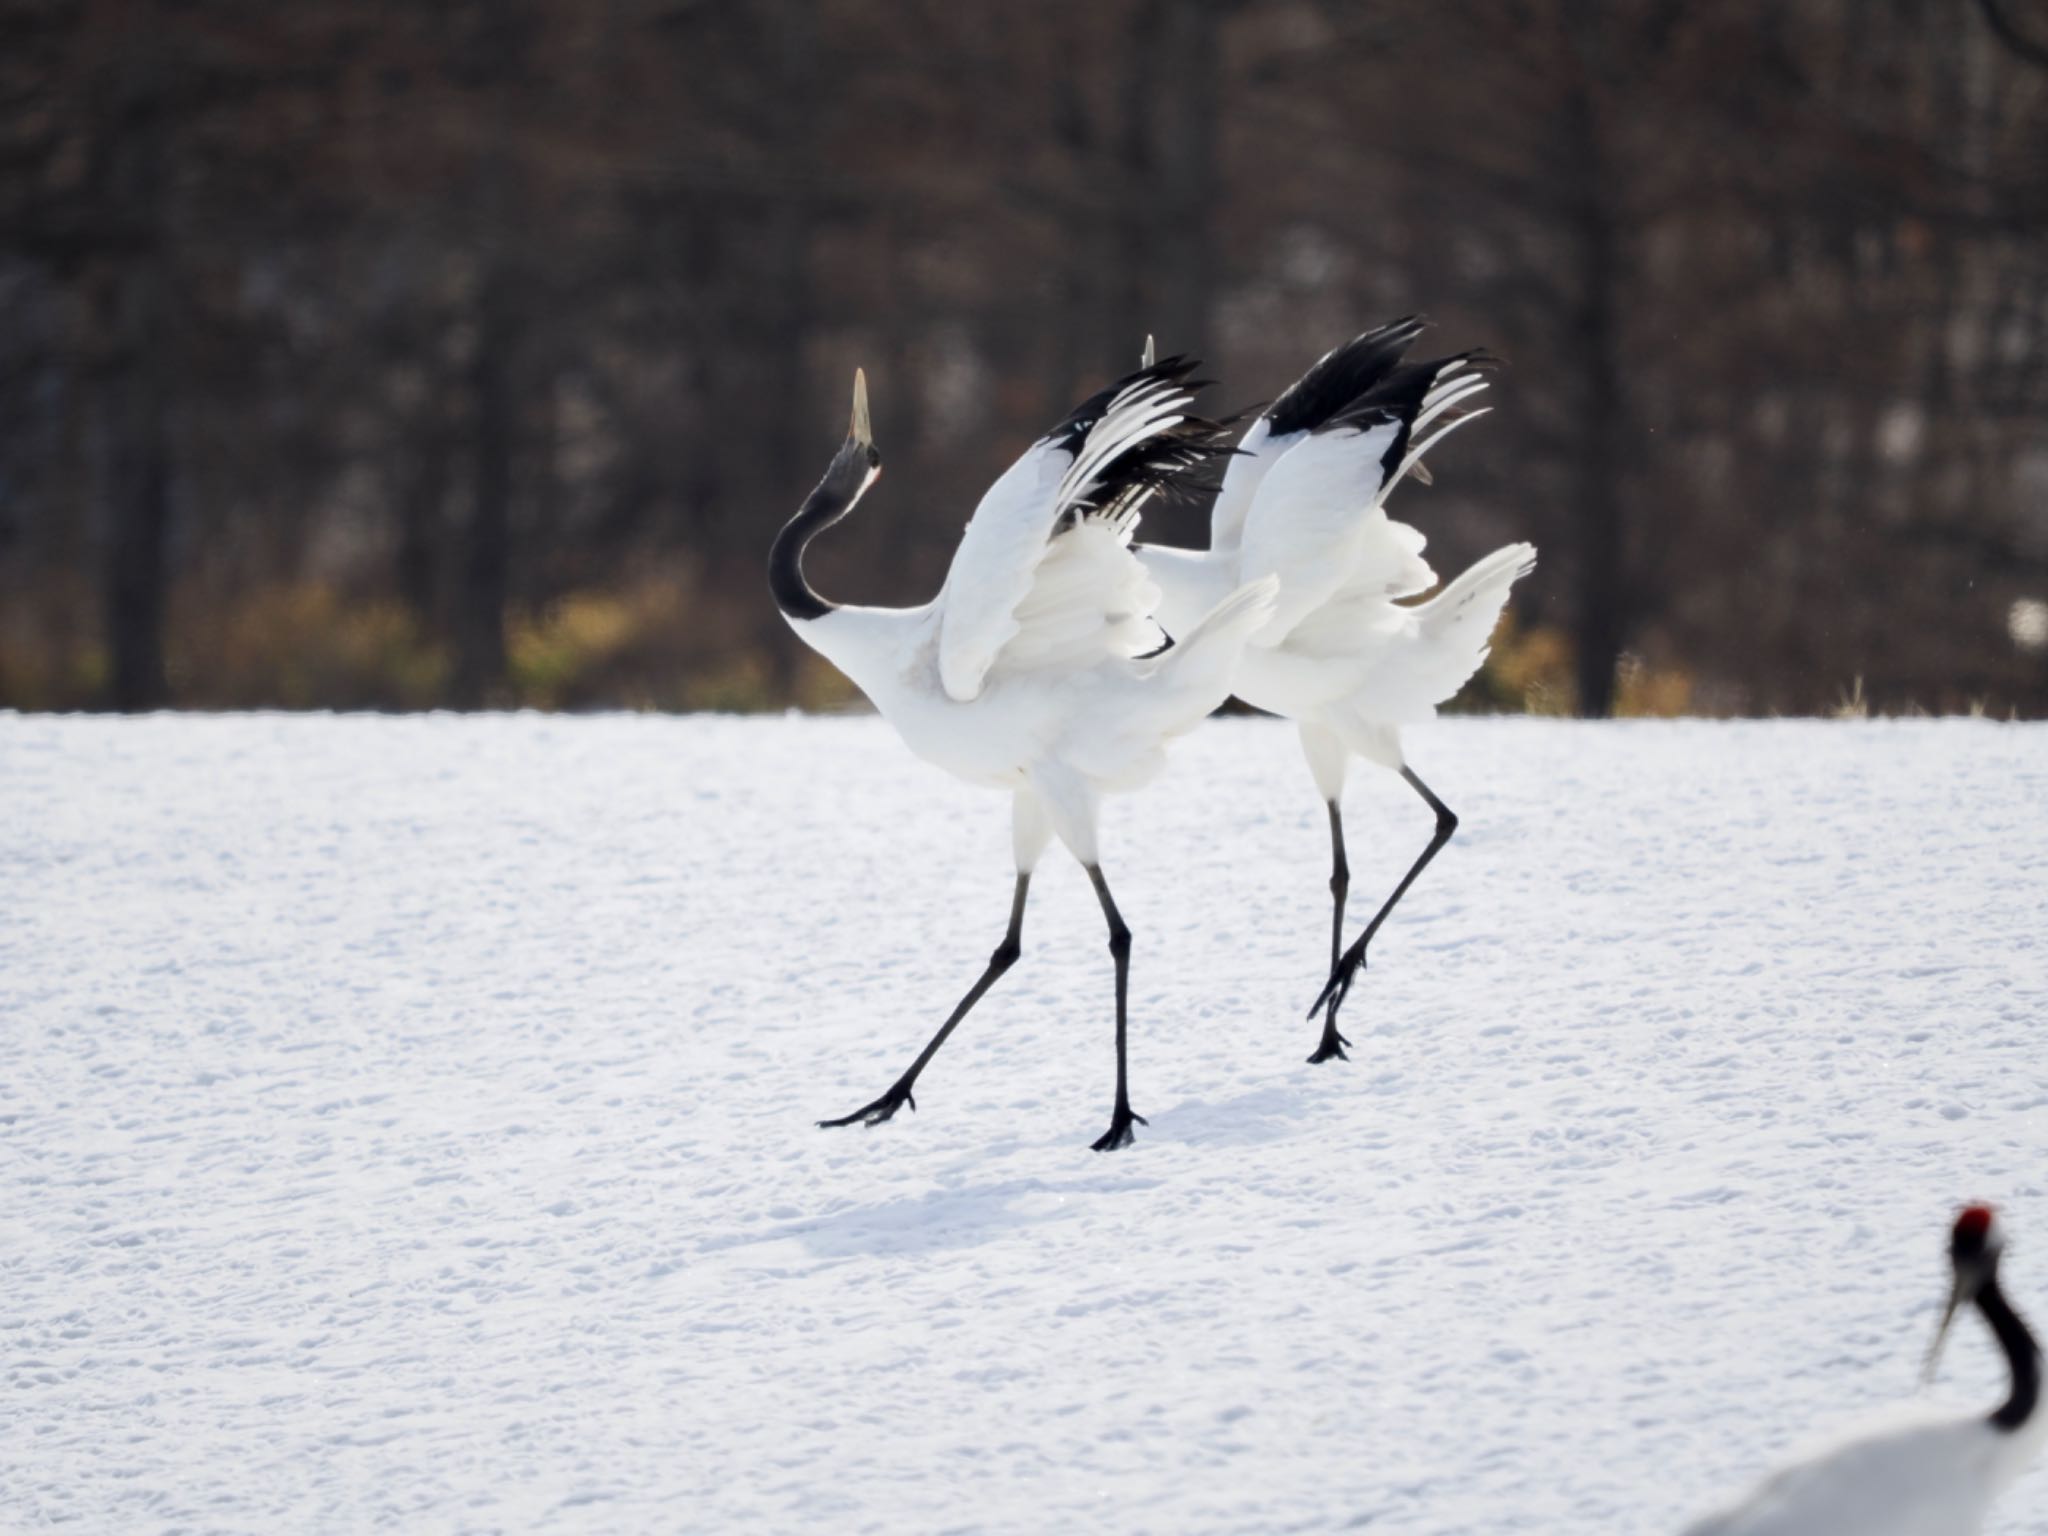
column 882, row 1109
column 1119, row 1133
column 1332, row 1046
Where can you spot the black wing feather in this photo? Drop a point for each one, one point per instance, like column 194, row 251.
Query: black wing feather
column 1168, row 465
column 1074, row 428
column 1165, row 464
column 1398, row 398
column 1342, row 377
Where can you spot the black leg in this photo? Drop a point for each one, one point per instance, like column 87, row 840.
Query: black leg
column 1353, row 960
column 1119, row 1132
column 1005, row 956
column 1332, row 1044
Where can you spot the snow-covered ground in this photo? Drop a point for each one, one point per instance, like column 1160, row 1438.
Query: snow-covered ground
column 407, row 1123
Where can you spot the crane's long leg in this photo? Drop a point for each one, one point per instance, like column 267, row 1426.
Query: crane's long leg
column 1340, row 883
column 1121, row 1121
column 1353, row 960
column 1005, row 956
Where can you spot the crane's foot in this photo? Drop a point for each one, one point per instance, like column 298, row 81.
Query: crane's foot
column 1119, row 1132
column 1332, row 1046
column 882, row 1109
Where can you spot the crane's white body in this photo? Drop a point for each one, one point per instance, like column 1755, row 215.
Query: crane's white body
column 1359, row 666
column 1913, row 1476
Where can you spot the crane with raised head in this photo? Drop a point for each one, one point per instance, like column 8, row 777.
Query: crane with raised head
column 1037, row 670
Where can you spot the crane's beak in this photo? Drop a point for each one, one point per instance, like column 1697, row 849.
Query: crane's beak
column 1151, row 354
column 1419, row 473
column 861, row 431
column 1948, row 1313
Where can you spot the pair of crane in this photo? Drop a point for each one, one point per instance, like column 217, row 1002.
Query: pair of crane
column 1060, row 657
column 1039, row 668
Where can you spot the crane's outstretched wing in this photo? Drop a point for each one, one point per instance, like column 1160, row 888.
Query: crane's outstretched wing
column 1091, row 472
column 1338, row 379
column 1315, row 520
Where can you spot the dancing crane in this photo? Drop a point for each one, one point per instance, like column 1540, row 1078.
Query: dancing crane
column 1030, row 672
column 1929, row 1478
column 1303, row 498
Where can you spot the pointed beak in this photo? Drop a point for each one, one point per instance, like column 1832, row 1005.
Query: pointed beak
column 1420, row 472
column 1151, row 353
column 860, row 432
column 1948, row 1313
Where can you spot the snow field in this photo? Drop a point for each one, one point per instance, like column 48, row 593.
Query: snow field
column 406, row 1124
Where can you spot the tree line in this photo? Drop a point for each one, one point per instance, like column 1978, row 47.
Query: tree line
column 370, row 355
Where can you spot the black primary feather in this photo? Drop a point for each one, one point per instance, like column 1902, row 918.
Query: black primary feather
column 1341, row 377
column 1073, row 430
column 1167, row 465
column 1398, row 398
column 1400, row 394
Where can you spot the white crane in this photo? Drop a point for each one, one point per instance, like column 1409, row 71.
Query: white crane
column 1029, row 672
column 1933, row 1477
column 1303, row 499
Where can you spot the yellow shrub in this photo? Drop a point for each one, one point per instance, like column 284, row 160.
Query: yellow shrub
column 302, row 645
column 548, row 654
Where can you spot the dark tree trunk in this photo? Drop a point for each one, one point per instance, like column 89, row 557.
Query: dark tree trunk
column 487, row 555
column 1172, row 85
column 1129, row 310
column 788, row 429
column 421, row 507
column 1187, row 110
column 1601, row 619
column 420, row 510
column 138, row 483
column 136, row 572
column 1601, row 607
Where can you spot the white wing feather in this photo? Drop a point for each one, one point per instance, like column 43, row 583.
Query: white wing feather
column 1388, row 566
column 1257, row 452
column 1010, row 536
column 1315, row 518
column 1310, row 518
column 1089, row 600
column 993, row 567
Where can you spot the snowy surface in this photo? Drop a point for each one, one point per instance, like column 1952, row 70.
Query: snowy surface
column 406, row 1123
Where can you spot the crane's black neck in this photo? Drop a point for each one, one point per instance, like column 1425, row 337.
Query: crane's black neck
column 833, row 499
column 2020, row 1353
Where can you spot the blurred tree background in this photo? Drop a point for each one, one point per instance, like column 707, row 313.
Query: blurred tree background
column 362, row 354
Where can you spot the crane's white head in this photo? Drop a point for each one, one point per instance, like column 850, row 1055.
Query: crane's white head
column 1974, row 1245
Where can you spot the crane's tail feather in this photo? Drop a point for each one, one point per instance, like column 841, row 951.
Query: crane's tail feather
column 1199, row 668
column 1456, row 626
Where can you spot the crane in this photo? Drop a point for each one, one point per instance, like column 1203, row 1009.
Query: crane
column 1303, row 499
column 1928, row 1477
column 1034, row 670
